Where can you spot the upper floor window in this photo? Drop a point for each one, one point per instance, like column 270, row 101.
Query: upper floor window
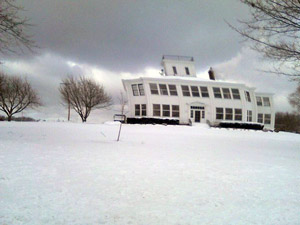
column 141, row 89
column 135, row 90
column 219, row 113
column 258, row 101
column 238, row 114
column 235, row 93
column 249, row 115
column 175, row 110
column 153, row 89
column 195, row 91
column 217, row 92
column 163, row 89
column 247, row 94
column 174, row 70
column 172, row 89
column 185, row 90
column 204, row 92
column 187, row 71
column 226, row 93
column 266, row 101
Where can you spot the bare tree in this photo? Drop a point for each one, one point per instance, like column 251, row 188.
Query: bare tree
column 122, row 101
column 274, row 29
column 16, row 94
column 84, row 95
column 294, row 99
column 13, row 29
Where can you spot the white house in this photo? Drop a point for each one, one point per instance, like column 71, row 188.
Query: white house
column 178, row 94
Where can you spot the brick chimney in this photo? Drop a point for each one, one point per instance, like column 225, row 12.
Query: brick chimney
column 211, row 74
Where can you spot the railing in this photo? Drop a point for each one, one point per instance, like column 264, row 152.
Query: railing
column 178, row 57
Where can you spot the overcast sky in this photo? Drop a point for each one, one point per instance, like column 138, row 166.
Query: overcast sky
column 114, row 39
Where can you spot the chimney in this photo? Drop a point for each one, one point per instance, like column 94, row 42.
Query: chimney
column 211, row 74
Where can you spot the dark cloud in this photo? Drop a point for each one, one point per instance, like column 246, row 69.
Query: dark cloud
column 130, row 35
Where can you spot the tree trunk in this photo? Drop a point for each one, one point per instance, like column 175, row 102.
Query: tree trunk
column 9, row 118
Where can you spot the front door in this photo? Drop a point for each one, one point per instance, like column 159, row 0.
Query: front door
column 197, row 116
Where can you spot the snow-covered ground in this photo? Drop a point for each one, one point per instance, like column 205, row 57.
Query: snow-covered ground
column 67, row 173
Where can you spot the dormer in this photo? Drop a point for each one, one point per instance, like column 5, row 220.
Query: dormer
column 179, row 66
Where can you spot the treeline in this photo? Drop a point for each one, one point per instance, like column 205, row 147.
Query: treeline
column 289, row 122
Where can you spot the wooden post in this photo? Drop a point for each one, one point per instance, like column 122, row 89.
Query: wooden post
column 119, row 131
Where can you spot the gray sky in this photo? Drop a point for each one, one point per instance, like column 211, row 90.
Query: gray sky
column 113, row 39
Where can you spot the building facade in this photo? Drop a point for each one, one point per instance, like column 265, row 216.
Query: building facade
column 178, row 94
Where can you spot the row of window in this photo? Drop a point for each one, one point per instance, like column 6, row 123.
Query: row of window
column 187, row 71
column 195, row 91
column 229, row 114
column 158, row 110
column 263, row 101
column 165, row 110
column 264, row 118
column 138, row 89
column 236, row 114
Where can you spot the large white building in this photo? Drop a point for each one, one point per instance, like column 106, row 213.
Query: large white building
column 178, row 94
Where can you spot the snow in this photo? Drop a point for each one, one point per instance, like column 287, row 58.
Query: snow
column 68, row 173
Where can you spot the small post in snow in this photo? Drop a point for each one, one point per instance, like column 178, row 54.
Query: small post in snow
column 119, row 131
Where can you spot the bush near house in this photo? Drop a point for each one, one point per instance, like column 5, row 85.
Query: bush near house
column 289, row 122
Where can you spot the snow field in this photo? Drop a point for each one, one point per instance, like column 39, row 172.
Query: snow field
column 66, row 173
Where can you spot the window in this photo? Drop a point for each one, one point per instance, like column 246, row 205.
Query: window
column 175, row 110
column 249, row 115
column 226, row 93
column 185, row 90
column 137, row 110
column 267, row 118
column 203, row 114
column 166, row 110
column 247, row 94
column 228, row 114
column 235, row 93
column 258, row 101
column 238, row 116
column 195, row 91
column 219, row 113
column 153, row 89
column 163, row 89
column 140, row 110
column 144, row 110
column 135, row 90
column 172, row 89
column 187, row 71
column 217, row 92
column 260, row 118
column 174, row 70
column 156, row 109
column 204, row 92
column 141, row 89
column 266, row 101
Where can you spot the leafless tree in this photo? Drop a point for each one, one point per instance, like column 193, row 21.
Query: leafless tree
column 84, row 95
column 122, row 101
column 294, row 99
column 16, row 94
column 13, row 29
column 274, row 29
